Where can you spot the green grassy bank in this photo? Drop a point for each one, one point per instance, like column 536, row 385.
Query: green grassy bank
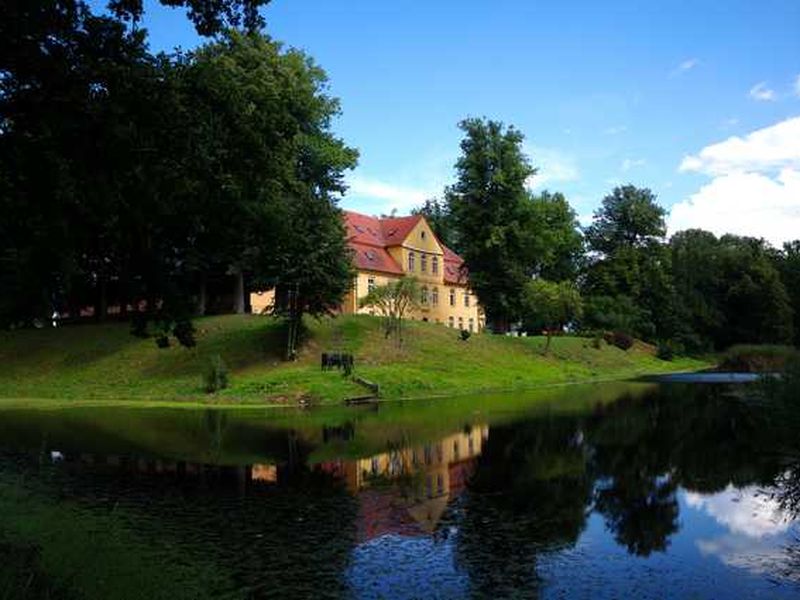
column 104, row 362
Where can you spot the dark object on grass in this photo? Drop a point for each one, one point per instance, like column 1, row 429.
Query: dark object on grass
column 162, row 340
column 338, row 360
column 184, row 332
column 465, row 335
column 620, row 339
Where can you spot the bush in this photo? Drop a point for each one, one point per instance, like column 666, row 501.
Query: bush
column 216, row 376
column 620, row 339
column 758, row 358
column 184, row 332
column 668, row 349
column 465, row 335
column 597, row 342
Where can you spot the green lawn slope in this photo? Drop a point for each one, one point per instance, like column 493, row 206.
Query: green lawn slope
column 104, row 362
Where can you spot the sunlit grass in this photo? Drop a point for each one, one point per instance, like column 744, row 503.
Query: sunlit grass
column 93, row 363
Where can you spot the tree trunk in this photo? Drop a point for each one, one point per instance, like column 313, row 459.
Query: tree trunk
column 238, row 292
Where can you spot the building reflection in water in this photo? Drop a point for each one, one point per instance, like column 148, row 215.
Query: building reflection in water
column 404, row 490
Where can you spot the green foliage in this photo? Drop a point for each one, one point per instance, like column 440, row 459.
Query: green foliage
column 761, row 358
column 555, row 237
column 209, row 18
column 629, row 218
column 668, row 349
column 631, row 267
column 215, row 377
column 730, row 290
column 787, row 262
column 551, row 305
column 490, row 209
column 394, row 300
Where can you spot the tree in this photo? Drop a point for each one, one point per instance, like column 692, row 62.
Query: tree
column 490, row 212
column 788, row 264
column 394, row 301
column 553, row 305
column 556, row 237
column 629, row 263
column 730, row 289
column 629, row 217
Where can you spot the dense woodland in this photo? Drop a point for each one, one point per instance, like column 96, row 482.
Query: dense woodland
column 170, row 185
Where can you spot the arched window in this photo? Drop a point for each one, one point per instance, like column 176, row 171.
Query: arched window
column 466, row 298
column 452, row 297
column 411, row 261
column 451, row 322
column 435, row 265
column 435, row 296
column 424, row 295
column 423, row 262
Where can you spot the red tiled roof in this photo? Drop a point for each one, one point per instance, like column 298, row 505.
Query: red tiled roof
column 454, row 271
column 374, row 258
column 369, row 237
column 396, row 229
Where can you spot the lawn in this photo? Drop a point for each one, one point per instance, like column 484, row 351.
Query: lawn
column 104, row 362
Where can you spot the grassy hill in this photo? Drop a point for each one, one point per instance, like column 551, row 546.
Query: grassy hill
column 104, row 362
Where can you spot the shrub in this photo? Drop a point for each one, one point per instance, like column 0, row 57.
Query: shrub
column 184, row 332
column 668, row 349
column 597, row 342
column 758, row 358
column 465, row 335
column 216, row 376
column 162, row 340
column 620, row 339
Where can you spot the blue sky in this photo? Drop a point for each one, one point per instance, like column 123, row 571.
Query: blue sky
column 605, row 92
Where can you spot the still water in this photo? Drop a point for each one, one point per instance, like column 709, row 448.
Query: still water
column 620, row 490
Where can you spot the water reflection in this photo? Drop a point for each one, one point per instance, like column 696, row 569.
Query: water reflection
column 668, row 486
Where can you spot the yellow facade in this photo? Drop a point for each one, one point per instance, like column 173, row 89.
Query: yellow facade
column 421, row 256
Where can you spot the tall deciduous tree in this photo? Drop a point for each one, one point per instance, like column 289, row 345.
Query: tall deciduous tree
column 556, row 238
column 490, row 212
column 629, row 264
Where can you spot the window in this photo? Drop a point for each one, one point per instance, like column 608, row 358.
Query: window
column 423, row 295
column 439, row 484
column 471, row 324
column 411, row 260
column 370, row 284
column 422, row 234
column 451, row 322
column 435, row 265
column 452, row 297
column 374, row 466
column 461, row 322
column 466, row 299
column 456, row 450
column 435, row 297
column 423, row 262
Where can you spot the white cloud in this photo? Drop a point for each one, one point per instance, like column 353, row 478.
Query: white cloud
column 686, row 65
column 754, row 188
column 631, row 163
column 761, row 92
column 553, row 167
column 744, row 511
column 769, row 149
column 385, row 196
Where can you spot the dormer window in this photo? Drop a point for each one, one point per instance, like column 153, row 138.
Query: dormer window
column 411, row 262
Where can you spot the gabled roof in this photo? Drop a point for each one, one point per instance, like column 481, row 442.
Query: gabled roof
column 369, row 237
column 396, row 229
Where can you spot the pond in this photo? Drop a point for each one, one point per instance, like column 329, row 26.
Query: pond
column 638, row 490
